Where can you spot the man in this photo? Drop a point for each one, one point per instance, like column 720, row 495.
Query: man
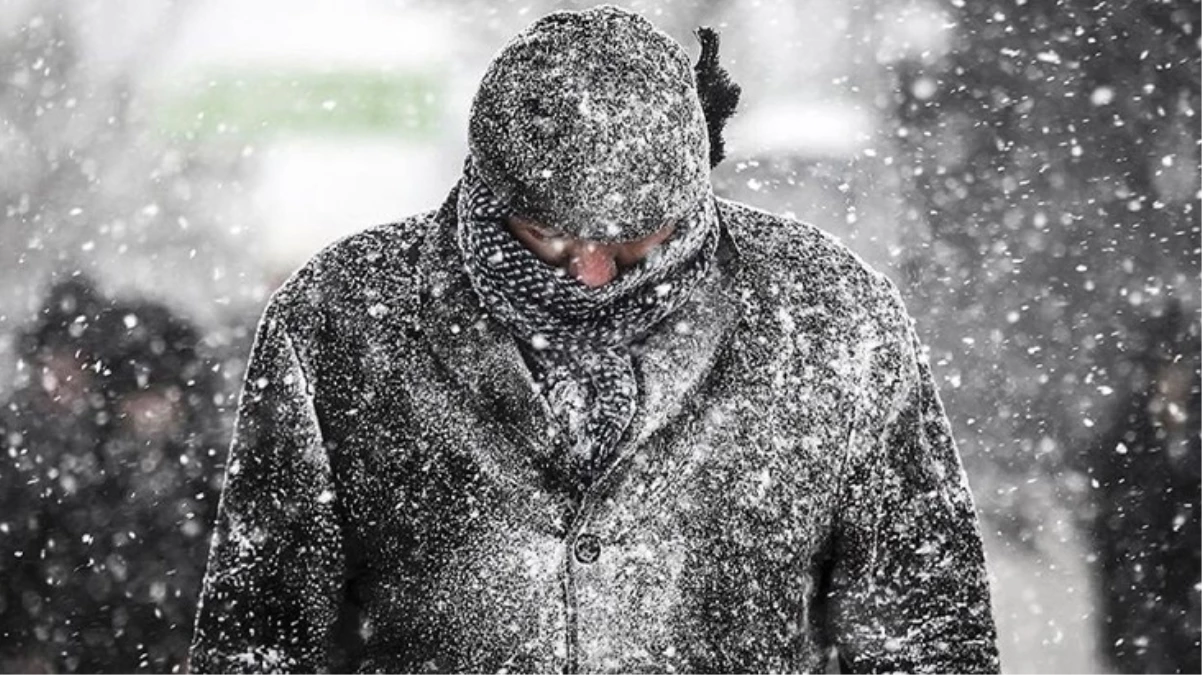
column 105, row 489
column 48, row 432
column 1145, row 524
column 588, row 417
column 158, row 494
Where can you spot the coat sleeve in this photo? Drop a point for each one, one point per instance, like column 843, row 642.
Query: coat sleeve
column 275, row 573
column 908, row 589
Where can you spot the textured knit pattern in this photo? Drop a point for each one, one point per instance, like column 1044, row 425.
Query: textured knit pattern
column 789, row 484
column 589, row 122
column 578, row 337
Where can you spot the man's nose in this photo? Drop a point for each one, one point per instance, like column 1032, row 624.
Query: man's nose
column 592, row 265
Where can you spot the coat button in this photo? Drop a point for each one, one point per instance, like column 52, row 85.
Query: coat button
column 588, row 548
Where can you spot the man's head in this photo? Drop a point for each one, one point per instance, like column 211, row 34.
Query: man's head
column 588, row 125
column 60, row 346
column 157, row 381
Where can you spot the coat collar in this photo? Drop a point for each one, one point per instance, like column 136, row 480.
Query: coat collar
column 482, row 357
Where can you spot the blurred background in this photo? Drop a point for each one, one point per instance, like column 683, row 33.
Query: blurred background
column 1026, row 171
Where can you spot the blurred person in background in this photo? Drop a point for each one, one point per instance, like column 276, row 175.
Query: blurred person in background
column 1146, row 526
column 160, row 462
column 114, row 526
column 48, row 430
column 588, row 417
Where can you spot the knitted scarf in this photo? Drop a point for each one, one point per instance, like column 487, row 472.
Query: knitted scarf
column 578, row 339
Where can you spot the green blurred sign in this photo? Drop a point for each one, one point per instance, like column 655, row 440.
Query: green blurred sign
column 397, row 104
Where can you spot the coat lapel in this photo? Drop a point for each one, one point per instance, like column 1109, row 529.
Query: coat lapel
column 477, row 352
column 675, row 359
column 482, row 357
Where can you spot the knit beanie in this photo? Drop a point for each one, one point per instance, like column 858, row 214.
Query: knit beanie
column 590, row 123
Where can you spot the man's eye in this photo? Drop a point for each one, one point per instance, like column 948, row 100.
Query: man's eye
column 530, row 230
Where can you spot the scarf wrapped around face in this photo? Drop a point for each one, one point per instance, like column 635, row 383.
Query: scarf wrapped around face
column 578, row 338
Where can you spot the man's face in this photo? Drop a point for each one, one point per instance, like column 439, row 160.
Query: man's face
column 152, row 414
column 1170, row 405
column 65, row 379
column 592, row 263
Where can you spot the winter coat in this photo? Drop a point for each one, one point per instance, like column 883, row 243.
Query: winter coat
column 396, row 496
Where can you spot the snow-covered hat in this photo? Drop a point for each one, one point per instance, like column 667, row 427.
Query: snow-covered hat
column 590, row 123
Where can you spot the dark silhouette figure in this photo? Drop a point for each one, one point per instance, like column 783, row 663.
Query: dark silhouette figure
column 48, row 430
column 1146, row 524
column 114, row 496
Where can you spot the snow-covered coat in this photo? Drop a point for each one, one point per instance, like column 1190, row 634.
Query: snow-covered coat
column 396, row 500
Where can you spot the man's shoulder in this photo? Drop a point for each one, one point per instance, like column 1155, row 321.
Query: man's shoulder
column 793, row 265
column 375, row 270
